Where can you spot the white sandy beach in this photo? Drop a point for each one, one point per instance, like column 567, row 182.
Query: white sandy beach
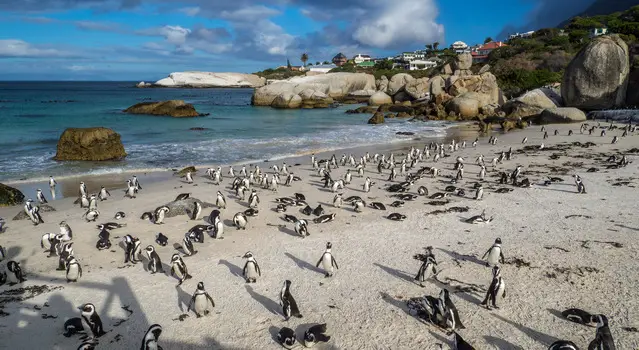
column 364, row 304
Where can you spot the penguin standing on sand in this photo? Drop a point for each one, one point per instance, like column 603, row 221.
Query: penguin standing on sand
column 65, row 232
column 301, row 228
column 289, row 306
column 160, row 213
column 52, row 183
column 132, row 249
column 452, row 315
column 240, row 220
column 220, row 202
column 197, row 210
column 254, row 199
column 93, row 202
column 482, row 172
column 83, row 189
column 328, row 261
column 161, row 239
column 201, row 302
column 155, row 264
column 479, row 193
column 581, row 188
column 497, row 289
column 34, row 215
column 40, row 197
column 367, row 185
column 428, row 267
column 251, row 268
column 189, row 177
column 91, row 322
column 150, row 340
column 3, row 253
column 338, row 201
column 131, row 191
column 104, row 194
column 315, row 334
column 179, row 269
column 74, row 270
column 136, row 183
column 187, row 245
column 15, row 274
column 603, row 338
column 494, row 254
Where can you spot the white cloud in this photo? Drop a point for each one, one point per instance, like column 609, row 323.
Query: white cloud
column 190, row 11
column 81, row 68
column 175, row 35
column 20, row 48
column 249, row 14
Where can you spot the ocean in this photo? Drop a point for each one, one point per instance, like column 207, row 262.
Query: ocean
column 33, row 115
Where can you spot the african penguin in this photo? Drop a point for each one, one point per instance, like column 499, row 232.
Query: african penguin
column 91, row 322
column 74, row 270
column 240, row 220
column 150, row 340
column 201, row 302
column 286, row 337
column 179, row 269
column 301, row 228
column 494, row 254
column 603, row 338
column 497, row 289
column 328, row 261
column 251, row 268
column 14, row 275
column 315, row 334
column 288, row 303
column 428, row 266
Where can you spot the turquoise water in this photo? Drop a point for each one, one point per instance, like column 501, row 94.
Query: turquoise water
column 33, row 115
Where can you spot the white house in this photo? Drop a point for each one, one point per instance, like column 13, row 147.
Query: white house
column 359, row 58
column 460, row 47
column 521, row 35
column 407, row 56
column 598, row 32
column 421, row 64
column 322, row 68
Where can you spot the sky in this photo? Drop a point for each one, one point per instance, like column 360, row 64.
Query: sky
column 134, row 40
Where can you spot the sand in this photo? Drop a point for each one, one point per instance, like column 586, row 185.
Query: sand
column 553, row 241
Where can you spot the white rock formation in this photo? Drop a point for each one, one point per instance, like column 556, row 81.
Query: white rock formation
column 210, row 80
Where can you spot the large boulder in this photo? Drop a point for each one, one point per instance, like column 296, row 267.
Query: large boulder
column 377, row 118
column 382, row 84
column 632, row 95
column 397, row 83
column 334, row 85
column 173, row 108
column 315, row 99
column 402, row 97
column 184, row 207
column 562, row 115
column 10, row 196
column 211, row 80
column 287, row 99
column 379, row 98
column 537, row 97
column 530, row 104
column 437, row 85
column 465, row 106
column 463, row 61
column 597, row 77
column 93, row 144
column 418, row 88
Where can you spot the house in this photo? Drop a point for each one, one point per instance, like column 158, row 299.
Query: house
column 459, row 47
column 598, row 32
column 480, row 52
column 366, row 64
column 421, row 64
column 407, row 56
column 359, row 58
column 521, row 35
column 321, row 68
column 340, row 60
column 298, row 68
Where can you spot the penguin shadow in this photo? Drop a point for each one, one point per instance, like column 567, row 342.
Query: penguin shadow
column 303, row 264
column 400, row 304
column 443, row 340
column 242, row 203
column 457, row 256
column 547, row 188
column 233, row 269
column 325, row 189
column 501, row 343
column 533, row 334
column 274, row 331
column 288, row 231
column 268, row 303
column 229, row 223
column 396, row 273
column 12, row 253
column 556, row 313
column 183, row 298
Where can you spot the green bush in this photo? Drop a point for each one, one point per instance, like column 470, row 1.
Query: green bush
column 516, row 81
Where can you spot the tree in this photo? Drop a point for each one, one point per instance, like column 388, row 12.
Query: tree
column 429, row 47
column 435, row 45
column 384, row 64
column 317, row 63
column 488, row 40
column 326, row 62
column 304, row 58
column 288, row 64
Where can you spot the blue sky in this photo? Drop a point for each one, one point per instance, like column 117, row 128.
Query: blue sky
column 147, row 39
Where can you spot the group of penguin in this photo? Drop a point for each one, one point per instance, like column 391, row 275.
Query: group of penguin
column 439, row 311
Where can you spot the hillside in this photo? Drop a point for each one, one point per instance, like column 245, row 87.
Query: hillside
column 606, row 7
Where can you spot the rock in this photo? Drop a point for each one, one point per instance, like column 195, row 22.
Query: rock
column 403, row 115
column 184, row 207
column 173, row 108
column 211, row 80
column 418, row 88
column 379, row 98
column 363, row 93
column 143, row 85
column 632, row 94
column 382, row 84
column 463, row 72
column 597, row 77
column 199, row 129
column 537, row 97
column 188, row 169
column 463, row 61
column 334, row 85
column 463, row 105
column 437, row 85
column 553, row 95
column 510, row 124
column 397, row 82
column 464, row 84
column 377, row 118
column 401, row 97
column 485, row 69
column 44, row 208
column 401, row 108
column 10, row 196
column 562, row 115
column 94, row 144
column 287, row 100
column 363, row 109
column 447, row 69
column 315, row 99
column 489, row 109
column 405, row 133
column 530, row 104
column 442, row 98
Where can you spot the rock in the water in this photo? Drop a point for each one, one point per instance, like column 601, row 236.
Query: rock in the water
column 184, row 207
column 210, row 80
column 315, row 99
column 173, row 108
column 463, row 61
column 382, row 84
column 597, row 77
column 397, row 82
column 464, row 106
column 562, row 115
column 402, row 97
column 403, row 115
column 379, row 98
column 93, row 144
column 377, row 118
column 143, row 85
column 198, row 129
column 362, row 93
column 44, row 208
column 418, row 88
column 287, row 100
column 10, row 196
column 405, row 133
column 188, row 169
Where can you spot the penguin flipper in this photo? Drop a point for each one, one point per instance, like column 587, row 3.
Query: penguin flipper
column 317, row 265
column 334, row 262
column 257, row 268
column 210, row 299
column 191, row 303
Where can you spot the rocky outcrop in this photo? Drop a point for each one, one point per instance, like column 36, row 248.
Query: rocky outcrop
column 397, row 83
column 189, row 169
column 93, row 144
column 143, row 85
column 437, row 85
column 529, row 104
column 382, row 83
column 418, row 88
column 315, row 99
column 172, row 108
column 377, row 118
column 379, row 98
column 537, row 97
column 465, row 106
column 463, row 61
column 211, row 80
column 287, row 99
column 597, row 77
column 184, row 207
column 333, row 85
column 10, row 196
column 562, row 115
column 44, row 208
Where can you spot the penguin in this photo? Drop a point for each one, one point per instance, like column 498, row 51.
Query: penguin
column 439, row 195
column 525, row 140
column 494, row 254
column 63, row 250
column 254, row 199
column 48, row 242
column 73, row 326
column 132, row 249
column 603, row 338
column 240, row 220
column 563, row 345
column 318, row 211
column 581, row 188
column 348, row 177
column 197, row 210
column 52, row 183
column 103, row 240
column 307, row 210
column 577, row 316
column 328, row 261
column 422, row 191
column 119, row 215
column 378, row 206
column 3, row 253
column 104, row 194
column 182, row 196
column 83, row 189
column 34, row 215
column 189, row 177
column 479, row 219
column 428, row 267
column 251, row 212
column 396, row 217
column 200, row 301
column 130, row 192
column 337, row 185
column 220, row 202
column 460, row 343
column 91, row 322
column 289, row 306
column 93, row 202
column 159, row 214
column 479, row 193
column 301, row 228
column 251, row 268
column 74, row 269
column 397, row 204
column 187, row 245
column 359, row 206
column 497, row 289
column 286, row 337
column 452, row 316
column 15, row 275
column 337, row 201
column 315, row 334
column 218, row 229
column 179, row 269
column 151, row 338
column 2, row 222
column 325, row 218
column 161, row 239
column 281, row 208
column 40, row 197
column 136, row 183
column 367, row 185
column 91, row 215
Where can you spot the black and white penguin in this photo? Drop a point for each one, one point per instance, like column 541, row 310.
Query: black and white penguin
column 359, row 206
column 104, row 194
column 52, row 183
column 2, row 222
column 378, row 206
column 307, row 210
column 73, row 326
column 497, row 289
column 187, row 245
column 422, row 191
column 460, row 343
column 83, row 189
column 603, row 338
column 315, row 334
column 151, row 338
column 47, row 242
column 91, row 322
column 288, row 303
column 220, row 201
column 439, row 195
column 328, row 261
column 479, row 193
column 161, row 239
column 286, row 337
column 479, row 219
column 14, row 275
column 40, row 197
column 254, row 199
column 74, row 269
column 155, row 264
column 577, row 316
column 452, row 320
column 281, row 208
column 581, row 188
column 136, row 183
column 108, row 226
column 182, row 196
column 179, row 269
column 3, row 253
column 325, row 218
column 197, row 210
column 318, row 211
column 428, row 266
column 64, row 251
column 397, row 204
column 367, row 185
column 189, row 177
column 494, row 254
column 396, row 217
column 289, row 218
column 34, row 215
column 301, row 228
column 251, row 212
column 91, row 215
column 131, row 249
column 240, row 220
column 93, row 202
column 251, row 268
column 119, row 215
column 563, row 345
column 201, row 302
column 338, row 201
